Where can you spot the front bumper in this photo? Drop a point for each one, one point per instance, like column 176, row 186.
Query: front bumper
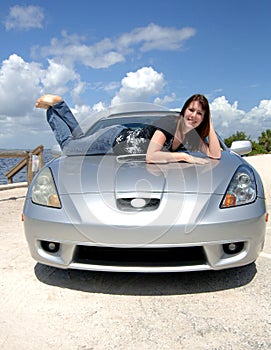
column 157, row 244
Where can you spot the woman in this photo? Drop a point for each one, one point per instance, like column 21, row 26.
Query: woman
column 190, row 129
column 165, row 138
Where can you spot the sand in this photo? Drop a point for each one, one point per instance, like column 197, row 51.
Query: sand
column 46, row 308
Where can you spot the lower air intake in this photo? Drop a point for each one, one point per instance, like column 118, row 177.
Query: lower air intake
column 145, row 257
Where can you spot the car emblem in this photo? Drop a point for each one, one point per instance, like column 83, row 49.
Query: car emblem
column 138, row 202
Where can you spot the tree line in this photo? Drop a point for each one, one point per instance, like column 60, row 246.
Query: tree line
column 261, row 147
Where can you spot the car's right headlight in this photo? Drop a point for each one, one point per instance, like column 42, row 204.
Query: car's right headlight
column 44, row 190
column 242, row 188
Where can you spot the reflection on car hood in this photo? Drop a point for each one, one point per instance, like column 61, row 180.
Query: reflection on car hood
column 105, row 174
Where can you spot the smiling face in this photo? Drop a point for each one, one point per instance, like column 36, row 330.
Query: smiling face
column 193, row 116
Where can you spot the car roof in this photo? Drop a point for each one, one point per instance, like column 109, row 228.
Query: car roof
column 155, row 113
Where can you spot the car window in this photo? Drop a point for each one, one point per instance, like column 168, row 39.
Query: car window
column 132, row 123
column 99, row 138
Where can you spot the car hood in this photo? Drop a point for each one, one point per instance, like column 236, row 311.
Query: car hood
column 106, row 174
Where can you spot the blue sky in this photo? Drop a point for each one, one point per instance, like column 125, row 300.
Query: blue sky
column 96, row 54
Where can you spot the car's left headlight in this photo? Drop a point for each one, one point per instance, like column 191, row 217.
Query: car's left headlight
column 242, row 188
column 44, row 190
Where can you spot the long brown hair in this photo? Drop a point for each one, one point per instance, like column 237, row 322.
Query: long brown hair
column 195, row 137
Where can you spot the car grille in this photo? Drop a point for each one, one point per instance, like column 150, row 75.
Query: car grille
column 145, row 257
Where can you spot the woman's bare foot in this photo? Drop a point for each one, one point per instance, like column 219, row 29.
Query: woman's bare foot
column 47, row 101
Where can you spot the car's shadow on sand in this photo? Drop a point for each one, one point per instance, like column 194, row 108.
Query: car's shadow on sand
column 146, row 284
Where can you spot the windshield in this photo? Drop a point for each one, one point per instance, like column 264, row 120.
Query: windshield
column 118, row 135
column 132, row 122
column 101, row 137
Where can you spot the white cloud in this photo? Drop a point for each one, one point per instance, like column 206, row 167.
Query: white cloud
column 57, row 76
column 223, row 113
column 76, row 92
column 139, row 86
column 109, row 51
column 98, row 107
column 259, row 118
column 228, row 118
column 22, row 82
column 24, row 17
column 165, row 100
column 19, row 84
column 263, row 110
column 154, row 37
column 113, row 85
column 70, row 49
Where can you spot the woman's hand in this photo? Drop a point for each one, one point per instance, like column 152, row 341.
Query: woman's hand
column 195, row 160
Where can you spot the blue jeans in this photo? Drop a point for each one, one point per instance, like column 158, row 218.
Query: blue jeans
column 70, row 136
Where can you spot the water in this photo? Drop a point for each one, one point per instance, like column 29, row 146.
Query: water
column 6, row 164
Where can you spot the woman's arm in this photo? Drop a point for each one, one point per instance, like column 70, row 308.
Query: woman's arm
column 156, row 155
column 213, row 149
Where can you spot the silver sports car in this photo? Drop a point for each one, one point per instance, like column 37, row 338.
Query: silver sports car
column 111, row 212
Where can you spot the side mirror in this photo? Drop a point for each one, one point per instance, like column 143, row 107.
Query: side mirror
column 241, row 147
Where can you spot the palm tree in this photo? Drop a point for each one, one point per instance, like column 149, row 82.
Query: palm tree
column 265, row 140
column 238, row 136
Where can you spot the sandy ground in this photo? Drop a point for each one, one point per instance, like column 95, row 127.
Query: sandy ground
column 46, row 308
